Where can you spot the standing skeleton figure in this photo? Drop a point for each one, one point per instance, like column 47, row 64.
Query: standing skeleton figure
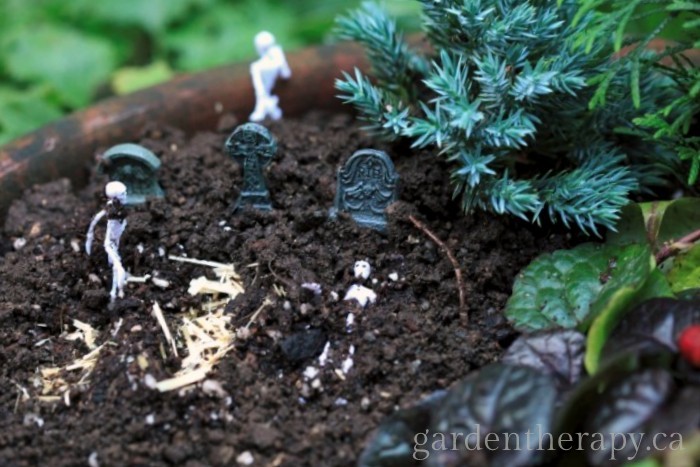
column 116, row 223
column 265, row 71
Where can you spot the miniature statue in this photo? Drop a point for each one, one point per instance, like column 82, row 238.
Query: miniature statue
column 253, row 147
column 136, row 167
column 116, row 223
column 367, row 184
column 265, row 71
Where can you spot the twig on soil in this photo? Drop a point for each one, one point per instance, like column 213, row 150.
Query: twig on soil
column 458, row 272
column 158, row 313
column 671, row 248
column 265, row 303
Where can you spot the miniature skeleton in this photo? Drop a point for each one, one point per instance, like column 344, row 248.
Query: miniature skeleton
column 265, row 71
column 116, row 224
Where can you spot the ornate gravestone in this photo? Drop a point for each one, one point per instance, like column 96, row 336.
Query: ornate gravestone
column 367, row 184
column 253, row 147
column 134, row 166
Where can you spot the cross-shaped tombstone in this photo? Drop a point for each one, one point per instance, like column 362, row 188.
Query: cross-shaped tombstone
column 253, row 147
column 134, row 166
column 367, row 184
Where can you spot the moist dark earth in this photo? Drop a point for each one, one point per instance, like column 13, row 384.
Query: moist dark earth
column 414, row 340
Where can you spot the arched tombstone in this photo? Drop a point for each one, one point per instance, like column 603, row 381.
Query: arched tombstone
column 252, row 146
column 136, row 167
column 366, row 185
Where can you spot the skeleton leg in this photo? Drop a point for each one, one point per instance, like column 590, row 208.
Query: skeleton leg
column 115, row 229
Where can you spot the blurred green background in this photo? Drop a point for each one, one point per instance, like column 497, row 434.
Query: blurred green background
column 57, row 56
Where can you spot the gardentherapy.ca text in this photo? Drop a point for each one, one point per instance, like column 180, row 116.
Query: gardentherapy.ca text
column 426, row 442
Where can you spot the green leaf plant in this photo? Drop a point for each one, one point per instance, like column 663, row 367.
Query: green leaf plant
column 504, row 94
column 591, row 287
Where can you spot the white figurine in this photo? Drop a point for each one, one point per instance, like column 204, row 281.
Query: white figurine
column 362, row 269
column 265, row 71
column 116, row 223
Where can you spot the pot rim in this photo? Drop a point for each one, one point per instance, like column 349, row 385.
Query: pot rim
column 191, row 102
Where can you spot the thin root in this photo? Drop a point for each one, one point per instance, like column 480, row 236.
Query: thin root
column 458, row 272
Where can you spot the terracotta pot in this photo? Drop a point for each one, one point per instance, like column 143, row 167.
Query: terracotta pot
column 191, row 102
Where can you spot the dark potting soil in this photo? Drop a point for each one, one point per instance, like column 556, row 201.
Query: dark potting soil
column 414, row 340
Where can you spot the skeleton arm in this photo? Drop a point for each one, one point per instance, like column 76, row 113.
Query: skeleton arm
column 285, row 71
column 91, row 230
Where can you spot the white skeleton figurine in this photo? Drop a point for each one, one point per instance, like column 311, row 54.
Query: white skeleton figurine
column 116, row 223
column 265, row 71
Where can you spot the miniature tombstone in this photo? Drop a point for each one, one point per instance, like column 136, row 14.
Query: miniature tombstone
column 253, row 147
column 136, row 167
column 367, row 184
column 264, row 72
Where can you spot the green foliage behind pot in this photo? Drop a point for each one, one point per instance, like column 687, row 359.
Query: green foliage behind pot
column 506, row 99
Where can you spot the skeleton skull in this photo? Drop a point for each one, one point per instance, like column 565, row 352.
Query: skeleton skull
column 362, row 269
column 116, row 190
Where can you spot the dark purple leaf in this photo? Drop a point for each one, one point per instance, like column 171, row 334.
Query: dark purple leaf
column 556, row 353
column 497, row 400
column 639, row 415
column 392, row 445
column 652, row 326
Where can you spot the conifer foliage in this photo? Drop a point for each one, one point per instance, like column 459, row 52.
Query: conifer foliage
column 504, row 95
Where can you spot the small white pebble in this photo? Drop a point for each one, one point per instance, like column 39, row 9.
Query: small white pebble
column 316, row 384
column 287, row 306
column 212, row 387
column 394, row 276
column 341, row 402
column 374, row 281
column 349, row 321
column 362, row 269
column 348, row 362
column 310, row 372
column 140, row 248
column 162, row 283
column 150, row 381
column 245, row 458
column 364, row 403
column 227, row 229
column 361, row 294
column 222, row 223
column 161, row 251
column 150, row 419
column 19, row 243
column 75, row 245
column 334, row 296
column 312, row 286
column 31, row 418
column 136, row 328
column 243, row 333
column 92, row 460
column 323, row 358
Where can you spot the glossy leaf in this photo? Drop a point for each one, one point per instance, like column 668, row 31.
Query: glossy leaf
column 684, row 273
column 392, row 445
column 647, row 410
column 656, row 222
column 556, row 353
column 568, row 288
column 651, row 327
column 497, row 399
column 612, row 309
